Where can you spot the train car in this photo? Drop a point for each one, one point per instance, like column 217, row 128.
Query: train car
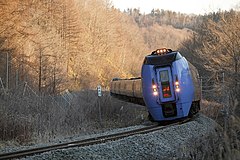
column 169, row 86
column 129, row 90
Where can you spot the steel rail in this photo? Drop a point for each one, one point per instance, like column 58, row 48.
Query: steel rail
column 85, row 142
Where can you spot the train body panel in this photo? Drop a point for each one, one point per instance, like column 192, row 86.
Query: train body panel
column 196, row 83
column 169, row 87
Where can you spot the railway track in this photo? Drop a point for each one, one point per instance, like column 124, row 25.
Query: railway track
column 86, row 142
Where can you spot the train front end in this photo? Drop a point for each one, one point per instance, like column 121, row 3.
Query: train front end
column 168, row 89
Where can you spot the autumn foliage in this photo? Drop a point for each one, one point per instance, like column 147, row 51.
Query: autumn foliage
column 55, row 45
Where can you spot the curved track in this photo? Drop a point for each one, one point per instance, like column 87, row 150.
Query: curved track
column 86, row 142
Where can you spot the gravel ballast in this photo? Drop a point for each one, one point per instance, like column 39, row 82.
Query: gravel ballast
column 197, row 139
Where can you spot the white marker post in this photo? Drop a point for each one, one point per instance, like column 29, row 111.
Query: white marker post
column 99, row 92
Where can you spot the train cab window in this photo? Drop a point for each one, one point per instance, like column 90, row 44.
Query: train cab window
column 164, row 77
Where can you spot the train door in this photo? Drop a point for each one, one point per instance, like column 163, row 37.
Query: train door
column 165, row 82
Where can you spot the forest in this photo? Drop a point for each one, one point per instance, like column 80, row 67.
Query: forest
column 55, row 45
column 54, row 53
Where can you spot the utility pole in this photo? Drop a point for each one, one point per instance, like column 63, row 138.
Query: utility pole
column 201, row 84
column 225, row 98
column 7, row 73
column 40, row 69
column 17, row 77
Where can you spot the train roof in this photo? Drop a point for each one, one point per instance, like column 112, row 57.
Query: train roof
column 162, row 59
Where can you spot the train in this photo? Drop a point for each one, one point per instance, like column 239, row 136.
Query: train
column 169, row 86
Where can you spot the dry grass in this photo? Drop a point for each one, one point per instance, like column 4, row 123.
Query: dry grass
column 31, row 119
column 231, row 128
column 211, row 109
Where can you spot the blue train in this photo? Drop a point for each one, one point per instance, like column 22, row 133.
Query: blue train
column 169, row 86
